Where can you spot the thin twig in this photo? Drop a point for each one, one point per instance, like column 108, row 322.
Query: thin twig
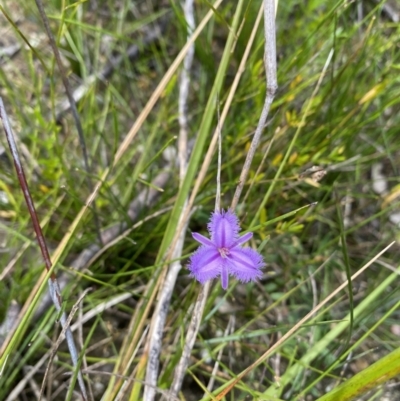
column 272, row 86
column 158, row 321
column 54, row 289
column 190, row 339
column 166, row 290
column 184, row 91
column 34, row 387
column 74, row 110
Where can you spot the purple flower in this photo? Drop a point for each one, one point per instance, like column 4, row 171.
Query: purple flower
column 223, row 254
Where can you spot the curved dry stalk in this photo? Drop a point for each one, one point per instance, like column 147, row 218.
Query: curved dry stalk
column 158, row 321
column 184, row 87
column 166, row 290
column 190, row 339
column 272, row 86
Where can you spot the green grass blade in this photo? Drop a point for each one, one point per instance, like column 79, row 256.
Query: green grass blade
column 376, row 374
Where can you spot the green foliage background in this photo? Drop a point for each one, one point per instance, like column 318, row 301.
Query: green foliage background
column 350, row 130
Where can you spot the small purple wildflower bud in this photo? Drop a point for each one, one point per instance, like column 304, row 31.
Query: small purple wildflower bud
column 223, row 255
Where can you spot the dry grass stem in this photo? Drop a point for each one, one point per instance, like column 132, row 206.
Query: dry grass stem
column 272, row 86
column 190, row 339
column 159, row 318
column 168, row 285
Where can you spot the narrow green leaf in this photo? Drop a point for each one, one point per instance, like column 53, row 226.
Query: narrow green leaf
column 378, row 373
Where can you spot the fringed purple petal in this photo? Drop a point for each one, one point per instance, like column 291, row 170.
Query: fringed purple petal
column 245, row 264
column 223, row 228
column 244, row 238
column 205, row 264
column 203, row 240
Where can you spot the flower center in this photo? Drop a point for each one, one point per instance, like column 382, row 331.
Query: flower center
column 224, row 252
